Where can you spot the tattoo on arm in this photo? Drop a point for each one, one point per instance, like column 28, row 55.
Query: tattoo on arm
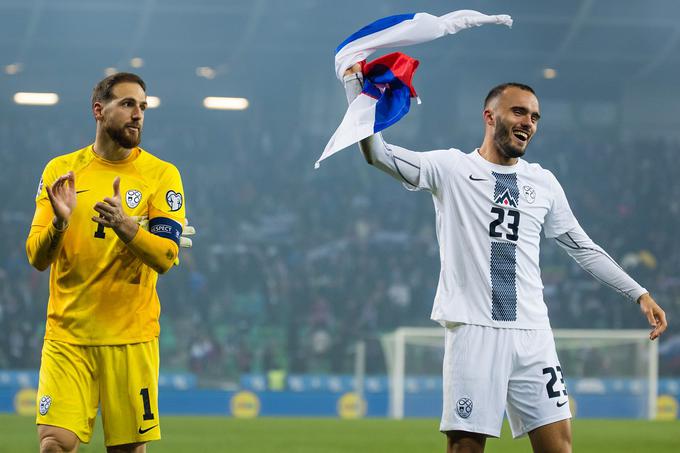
column 55, row 240
column 54, row 243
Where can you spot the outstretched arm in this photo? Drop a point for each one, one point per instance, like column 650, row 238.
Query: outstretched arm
column 600, row 265
column 400, row 163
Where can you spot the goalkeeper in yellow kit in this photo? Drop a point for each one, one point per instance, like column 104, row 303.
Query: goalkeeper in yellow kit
column 101, row 340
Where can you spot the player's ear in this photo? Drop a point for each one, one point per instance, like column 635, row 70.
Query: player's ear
column 488, row 117
column 97, row 111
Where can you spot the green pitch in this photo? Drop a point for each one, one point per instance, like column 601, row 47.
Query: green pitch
column 306, row 435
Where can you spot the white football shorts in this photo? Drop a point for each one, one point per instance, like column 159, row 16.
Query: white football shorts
column 488, row 370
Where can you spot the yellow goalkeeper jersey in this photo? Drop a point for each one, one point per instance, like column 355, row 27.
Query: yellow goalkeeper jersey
column 100, row 292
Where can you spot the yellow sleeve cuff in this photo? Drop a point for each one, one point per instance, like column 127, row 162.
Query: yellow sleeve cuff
column 157, row 252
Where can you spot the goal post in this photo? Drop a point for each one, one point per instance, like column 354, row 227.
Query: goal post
column 394, row 349
column 594, row 360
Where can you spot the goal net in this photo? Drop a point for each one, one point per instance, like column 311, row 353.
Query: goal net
column 609, row 373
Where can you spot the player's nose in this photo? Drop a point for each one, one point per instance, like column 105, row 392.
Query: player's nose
column 527, row 124
column 137, row 113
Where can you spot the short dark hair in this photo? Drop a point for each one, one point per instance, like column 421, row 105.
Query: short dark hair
column 498, row 90
column 104, row 89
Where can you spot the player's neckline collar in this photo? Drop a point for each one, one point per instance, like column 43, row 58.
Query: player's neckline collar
column 495, row 167
column 134, row 154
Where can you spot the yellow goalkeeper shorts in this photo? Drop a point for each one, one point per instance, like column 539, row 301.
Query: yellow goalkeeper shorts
column 122, row 381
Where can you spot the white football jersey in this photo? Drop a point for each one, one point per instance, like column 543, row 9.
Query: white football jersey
column 489, row 219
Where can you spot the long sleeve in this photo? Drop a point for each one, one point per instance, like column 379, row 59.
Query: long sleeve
column 157, row 252
column 43, row 245
column 561, row 224
column 159, row 246
column 44, row 241
column 594, row 260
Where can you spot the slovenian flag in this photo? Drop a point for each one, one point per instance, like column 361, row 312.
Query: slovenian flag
column 386, row 96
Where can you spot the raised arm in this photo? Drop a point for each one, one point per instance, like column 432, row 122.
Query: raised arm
column 50, row 221
column 400, row 163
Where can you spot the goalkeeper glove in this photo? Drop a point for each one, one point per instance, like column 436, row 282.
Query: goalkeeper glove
column 184, row 239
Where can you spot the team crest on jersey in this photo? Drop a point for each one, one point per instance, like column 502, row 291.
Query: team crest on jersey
column 174, row 200
column 506, row 199
column 464, row 407
column 45, row 403
column 40, row 186
column 132, row 198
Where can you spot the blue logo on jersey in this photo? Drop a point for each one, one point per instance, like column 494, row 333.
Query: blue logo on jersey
column 464, row 407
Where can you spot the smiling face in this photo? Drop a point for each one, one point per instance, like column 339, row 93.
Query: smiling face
column 122, row 116
column 513, row 119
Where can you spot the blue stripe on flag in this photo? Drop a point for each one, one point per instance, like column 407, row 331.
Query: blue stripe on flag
column 392, row 106
column 378, row 25
column 393, row 103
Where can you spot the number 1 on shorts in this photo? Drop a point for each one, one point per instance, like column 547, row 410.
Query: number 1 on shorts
column 148, row 415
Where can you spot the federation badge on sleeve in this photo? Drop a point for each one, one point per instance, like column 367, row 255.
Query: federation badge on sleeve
column 132, row 198
column 40, row 186
column 45, row 403
column 174, row 200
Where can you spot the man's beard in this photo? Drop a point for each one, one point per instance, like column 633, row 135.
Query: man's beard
column 123, row 139
column 503, row 140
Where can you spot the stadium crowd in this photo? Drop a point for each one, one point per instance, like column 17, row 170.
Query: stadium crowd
column 292, row 265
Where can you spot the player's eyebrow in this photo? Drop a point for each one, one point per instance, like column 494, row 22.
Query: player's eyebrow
column 129, row 98
column 534, row 115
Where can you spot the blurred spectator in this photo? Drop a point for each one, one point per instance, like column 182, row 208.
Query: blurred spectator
column 291, row 266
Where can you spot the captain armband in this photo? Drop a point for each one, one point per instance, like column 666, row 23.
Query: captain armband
column 166, row 228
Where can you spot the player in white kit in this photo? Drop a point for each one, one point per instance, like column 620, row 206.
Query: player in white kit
column 491, row 206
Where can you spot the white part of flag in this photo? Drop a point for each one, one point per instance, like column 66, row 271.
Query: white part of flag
column 422, row 28
column 357, row 124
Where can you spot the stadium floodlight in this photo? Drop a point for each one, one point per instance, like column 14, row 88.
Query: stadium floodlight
column 220, row 103
column 13, row 69
column 25, row 98
column 549, row 73
column 206, row 72
column 136, row 62
column 153, row 102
